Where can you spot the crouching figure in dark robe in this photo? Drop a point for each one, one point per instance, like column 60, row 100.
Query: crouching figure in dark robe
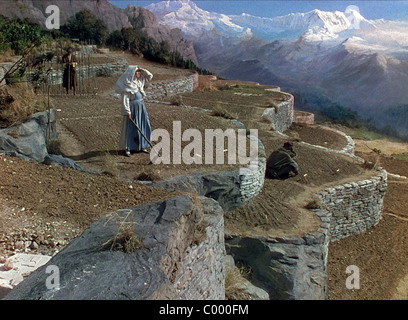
column 281, row 163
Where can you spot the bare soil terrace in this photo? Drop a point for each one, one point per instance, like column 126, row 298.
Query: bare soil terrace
column 44, row 207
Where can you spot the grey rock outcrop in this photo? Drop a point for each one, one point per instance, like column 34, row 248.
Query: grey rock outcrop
column 144, row 20
column 164, row 267
column 34, row 11
column 29, row 140
column 224, row 187
column 245, row 288
column 287, row 268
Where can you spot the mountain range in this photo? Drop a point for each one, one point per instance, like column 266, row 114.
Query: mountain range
column 337, row 57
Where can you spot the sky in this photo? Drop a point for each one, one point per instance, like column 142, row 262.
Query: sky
column 389, row 10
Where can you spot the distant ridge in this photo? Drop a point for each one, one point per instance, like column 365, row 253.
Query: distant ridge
column 114, row 17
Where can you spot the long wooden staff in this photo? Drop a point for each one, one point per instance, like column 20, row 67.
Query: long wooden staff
column 144, row 136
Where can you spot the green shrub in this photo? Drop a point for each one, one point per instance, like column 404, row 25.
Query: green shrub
column 18, row 35
column 85, row 26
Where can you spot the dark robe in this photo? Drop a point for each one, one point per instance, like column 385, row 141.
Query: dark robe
column 69, row 77
column 280, row 163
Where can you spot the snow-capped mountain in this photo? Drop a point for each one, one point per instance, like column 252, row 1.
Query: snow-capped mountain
column 317, row 24
column 341, row 56
column 195, row 22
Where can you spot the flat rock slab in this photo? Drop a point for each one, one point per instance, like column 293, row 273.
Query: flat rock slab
column 17, row 267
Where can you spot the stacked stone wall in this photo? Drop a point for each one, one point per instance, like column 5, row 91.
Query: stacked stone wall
column 170, row 88
column 280, row 117
column 117, row 67
column 353, row 207
column 302, row 117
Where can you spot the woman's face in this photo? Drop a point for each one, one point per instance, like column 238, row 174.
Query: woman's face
column 138, row 74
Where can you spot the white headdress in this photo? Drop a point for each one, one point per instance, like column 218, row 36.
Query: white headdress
column 125, row 82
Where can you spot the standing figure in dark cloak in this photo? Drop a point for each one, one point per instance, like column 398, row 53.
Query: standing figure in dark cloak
column 69, row 77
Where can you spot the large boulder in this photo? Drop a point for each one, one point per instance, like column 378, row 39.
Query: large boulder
column 28, row 140
column 180, row 255
column 223, row 187
column 287, row 268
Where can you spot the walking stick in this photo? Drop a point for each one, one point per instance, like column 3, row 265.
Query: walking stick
column 144, row 136
column 138, row 129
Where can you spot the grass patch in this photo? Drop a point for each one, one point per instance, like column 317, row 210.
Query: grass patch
column 125, row 238
column 401, row 156
column 110, row 164
column 365, row 134
column 18, row 103
column 176, row 100
column 200, row 232
column 147, row 175
column 234, row 282
column 315, row 203
column 223, row 113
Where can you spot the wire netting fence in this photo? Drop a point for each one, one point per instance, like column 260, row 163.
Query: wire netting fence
column 47, row 69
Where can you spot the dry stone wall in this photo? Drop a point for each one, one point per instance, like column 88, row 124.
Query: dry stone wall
column 304, row 117
column 172, row 87
column 87, row 72
column 354, row 207
column 280, row 117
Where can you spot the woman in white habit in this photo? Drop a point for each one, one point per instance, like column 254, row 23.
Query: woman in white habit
column 131, row 88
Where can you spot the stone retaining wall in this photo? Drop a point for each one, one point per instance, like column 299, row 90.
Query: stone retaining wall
column 87, row 72
column 303, row 117
column 347, row 150
column 281, row 116
column 172, row 87
column 251, row 184
column 353, row 207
